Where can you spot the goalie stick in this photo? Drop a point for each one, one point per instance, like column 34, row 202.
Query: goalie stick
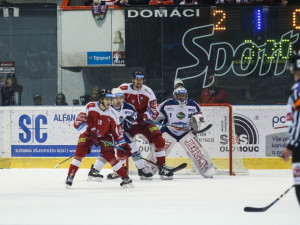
column 63, row 161
column 193, row 131
column 263, row 209
column 177, row 168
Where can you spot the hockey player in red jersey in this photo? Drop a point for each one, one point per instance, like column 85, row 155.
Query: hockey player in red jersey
column 126, row 114
column 101, row 124
column 144, row 101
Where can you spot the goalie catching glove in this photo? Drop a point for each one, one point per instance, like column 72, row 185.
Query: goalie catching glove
column 125, row 152
column 196, row 121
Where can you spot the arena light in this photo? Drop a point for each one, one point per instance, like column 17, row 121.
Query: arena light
column 5, row 12
column 16, row 12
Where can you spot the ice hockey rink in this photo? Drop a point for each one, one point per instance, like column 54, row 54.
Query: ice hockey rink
column 39, row 197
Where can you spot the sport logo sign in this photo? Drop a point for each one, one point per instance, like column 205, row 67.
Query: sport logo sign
column 243, row 60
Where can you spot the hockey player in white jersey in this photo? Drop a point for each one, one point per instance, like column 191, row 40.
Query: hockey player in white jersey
column 126, row 114
column 185, row 114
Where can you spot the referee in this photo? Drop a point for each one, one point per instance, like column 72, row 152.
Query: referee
column 293, row 121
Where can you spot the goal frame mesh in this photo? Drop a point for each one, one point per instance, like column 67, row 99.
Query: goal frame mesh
column 231, row 124
column 231, row 164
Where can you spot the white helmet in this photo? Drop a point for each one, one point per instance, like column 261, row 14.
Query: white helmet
column 180, row 90
column 117, row 92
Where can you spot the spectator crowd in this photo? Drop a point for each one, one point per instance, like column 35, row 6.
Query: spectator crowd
column 188, row 2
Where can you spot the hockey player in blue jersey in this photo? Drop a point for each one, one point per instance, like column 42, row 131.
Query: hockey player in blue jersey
column 127, row 115
column 184, row 114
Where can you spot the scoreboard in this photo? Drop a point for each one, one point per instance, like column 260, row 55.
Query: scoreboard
column 235, row 42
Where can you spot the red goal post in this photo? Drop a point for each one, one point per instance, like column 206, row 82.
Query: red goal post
column 231, row 133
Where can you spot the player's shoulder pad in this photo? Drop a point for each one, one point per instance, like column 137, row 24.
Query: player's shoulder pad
column 124, row 86
column 191, row 102
column 128, row 106
column 169, row 101
column 113, row 113
column 91, row 105
column 147, row 90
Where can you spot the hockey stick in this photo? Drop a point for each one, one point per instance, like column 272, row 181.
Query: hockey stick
column 177, row 168
column 63, row 161
column 193, row 131
column 263, row 209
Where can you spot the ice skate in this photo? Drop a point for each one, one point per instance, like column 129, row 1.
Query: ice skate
column 114, row 175
column 165, row 175
column 94, row 175
column 126, row 183
column 69, row 181
column 144, row 175
column 210, row 172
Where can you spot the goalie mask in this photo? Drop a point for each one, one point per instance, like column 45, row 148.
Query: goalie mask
column 180, row 94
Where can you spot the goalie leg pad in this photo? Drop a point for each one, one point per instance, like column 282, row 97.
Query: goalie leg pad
column 151, row 168
column 198, row 155
column 170, row 142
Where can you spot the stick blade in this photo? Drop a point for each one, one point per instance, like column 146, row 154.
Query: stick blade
column 204, row 129
column 253, row 209
column 180, row 167
column 56, row 166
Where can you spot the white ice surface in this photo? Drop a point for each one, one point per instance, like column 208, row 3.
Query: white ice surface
column 39, row 197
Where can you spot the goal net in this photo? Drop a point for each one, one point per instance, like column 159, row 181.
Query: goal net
column 220, row 142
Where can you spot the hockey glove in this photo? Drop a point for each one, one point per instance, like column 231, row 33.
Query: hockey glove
column 142, row 118
column 91, row 139
column 93, row 135
column 120, row 154
column 127, row 122
column 126, row 149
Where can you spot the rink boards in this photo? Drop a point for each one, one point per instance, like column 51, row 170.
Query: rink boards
column 41, row 137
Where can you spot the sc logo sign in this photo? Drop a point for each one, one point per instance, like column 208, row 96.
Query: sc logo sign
column 32, row 128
